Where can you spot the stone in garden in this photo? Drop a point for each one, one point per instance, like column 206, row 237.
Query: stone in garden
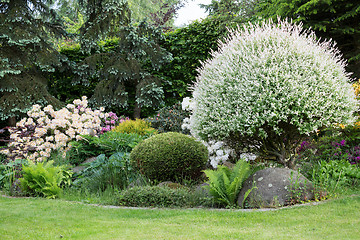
column 274, row 187
column 83, row 165
column 202, row 189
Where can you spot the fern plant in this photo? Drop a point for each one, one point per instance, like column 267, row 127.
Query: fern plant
column 225, row 183
column 44, row 179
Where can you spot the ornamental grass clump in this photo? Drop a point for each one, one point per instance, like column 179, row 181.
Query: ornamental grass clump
column 267, row 87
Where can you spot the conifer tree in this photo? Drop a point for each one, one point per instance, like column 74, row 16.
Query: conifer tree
column 124, row 63
column 26, row 55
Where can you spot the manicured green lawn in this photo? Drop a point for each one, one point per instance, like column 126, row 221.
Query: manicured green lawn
column 35, row 218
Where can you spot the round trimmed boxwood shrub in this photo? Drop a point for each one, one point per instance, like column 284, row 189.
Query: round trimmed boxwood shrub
column 269, row 86
column 170, row 157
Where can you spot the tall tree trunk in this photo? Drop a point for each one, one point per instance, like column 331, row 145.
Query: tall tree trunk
column 12, row 121
column 137, row 110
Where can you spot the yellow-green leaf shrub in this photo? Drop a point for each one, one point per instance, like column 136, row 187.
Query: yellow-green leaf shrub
column 356, row 87
column 137, row 126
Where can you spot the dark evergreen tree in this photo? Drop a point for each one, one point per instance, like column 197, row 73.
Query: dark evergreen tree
column 26, row 55
column 335, row 19
column 123, row 64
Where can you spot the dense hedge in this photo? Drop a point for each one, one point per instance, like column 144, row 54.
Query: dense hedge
column 60, row 83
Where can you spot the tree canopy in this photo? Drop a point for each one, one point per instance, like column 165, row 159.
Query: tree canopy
column 124, row 61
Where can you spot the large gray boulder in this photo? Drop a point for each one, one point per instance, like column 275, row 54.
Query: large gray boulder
column 275, row 187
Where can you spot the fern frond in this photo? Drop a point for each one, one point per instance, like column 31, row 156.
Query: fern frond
column 225, row 184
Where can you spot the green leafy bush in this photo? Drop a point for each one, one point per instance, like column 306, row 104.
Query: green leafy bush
column 44, row 179
column 169, row 119
column 107, row 143
column 335, row 174
column 169, row 157
column 268, row 87
column 137, row 126
column 114, row 172
column 225, row 183
column 3, row 158
column 157, row 196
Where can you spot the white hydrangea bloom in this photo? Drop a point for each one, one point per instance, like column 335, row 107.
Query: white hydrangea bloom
column 248, row 156
column 187, row 104
column 218, row 152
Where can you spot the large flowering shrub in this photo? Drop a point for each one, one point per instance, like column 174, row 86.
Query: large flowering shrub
column 46, row 130
column 267, row 87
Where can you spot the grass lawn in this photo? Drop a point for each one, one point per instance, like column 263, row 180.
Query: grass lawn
column 36, row 218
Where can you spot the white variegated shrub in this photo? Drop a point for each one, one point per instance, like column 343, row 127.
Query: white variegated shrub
column 267, row 87
column 219, row 151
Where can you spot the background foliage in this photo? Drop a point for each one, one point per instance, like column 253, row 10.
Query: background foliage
column 190, row 46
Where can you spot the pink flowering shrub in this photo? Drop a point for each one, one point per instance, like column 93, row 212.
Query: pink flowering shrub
column 329, row 148
column 46, row 130
column 110, row 121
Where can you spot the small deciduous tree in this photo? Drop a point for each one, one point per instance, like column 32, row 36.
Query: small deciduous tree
column 241, row 8
column 267, row 87
column 158, row 12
